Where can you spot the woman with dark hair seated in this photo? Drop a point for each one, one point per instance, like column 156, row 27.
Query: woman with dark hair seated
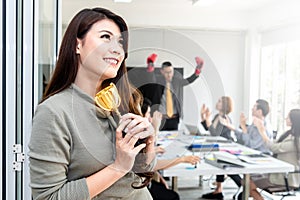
column 286, row 148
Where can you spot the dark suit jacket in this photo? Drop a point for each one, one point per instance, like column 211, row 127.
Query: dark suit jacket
column 177, row 82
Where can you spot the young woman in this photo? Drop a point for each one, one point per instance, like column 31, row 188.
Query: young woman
column 224, row 106
column 77, row 150
column 286, row 148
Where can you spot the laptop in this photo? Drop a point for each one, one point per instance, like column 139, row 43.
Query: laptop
column 193, row 130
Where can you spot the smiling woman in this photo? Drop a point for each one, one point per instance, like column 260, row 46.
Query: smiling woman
column 83, row 153
column 103, row 47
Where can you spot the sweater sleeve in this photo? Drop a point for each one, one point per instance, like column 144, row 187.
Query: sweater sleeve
column 286, row 145
column 240, row 136
column 204, row 125
column 49, row 158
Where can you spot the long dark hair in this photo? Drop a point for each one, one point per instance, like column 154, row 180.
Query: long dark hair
column 294, row 116
column 67, row 63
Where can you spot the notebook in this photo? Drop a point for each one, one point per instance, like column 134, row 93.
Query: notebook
column 222, row 164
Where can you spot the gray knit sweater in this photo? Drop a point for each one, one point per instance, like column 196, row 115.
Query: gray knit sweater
column 72, row 139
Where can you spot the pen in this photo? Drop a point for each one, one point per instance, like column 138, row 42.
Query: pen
column 196, row 162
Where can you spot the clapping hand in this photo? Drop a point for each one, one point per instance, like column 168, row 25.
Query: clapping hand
column 243, row 122
column 205, row 113
column 259, row 124
column 225, row 121
column 156, row 120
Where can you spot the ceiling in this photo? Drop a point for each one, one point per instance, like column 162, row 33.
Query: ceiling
column 220, row 14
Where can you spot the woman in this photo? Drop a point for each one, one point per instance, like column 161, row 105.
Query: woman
column 77, row 150
column 286, row 148
column 224, row 106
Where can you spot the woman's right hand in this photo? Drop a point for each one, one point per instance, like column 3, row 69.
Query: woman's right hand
column 190, row 159
column 156, row 120
column 203, row 112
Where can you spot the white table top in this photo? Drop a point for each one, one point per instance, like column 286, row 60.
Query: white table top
column 175, row 144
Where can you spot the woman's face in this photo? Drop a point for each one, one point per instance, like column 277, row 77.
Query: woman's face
column 101, row 51
column 219, row 105
column 288, row 120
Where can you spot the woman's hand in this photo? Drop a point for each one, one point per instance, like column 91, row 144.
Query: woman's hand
column 203, row 112
column 159, row 150
column 205, row 115
column 135, row 127
column 156, row 120
column 226, row 122
column 162, row 180
column 190, row 159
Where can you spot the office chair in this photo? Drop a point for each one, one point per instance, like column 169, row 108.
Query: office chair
column 283, row 191
column 289, row 191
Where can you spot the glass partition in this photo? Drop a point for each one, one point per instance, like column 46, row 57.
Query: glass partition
column 48, row 36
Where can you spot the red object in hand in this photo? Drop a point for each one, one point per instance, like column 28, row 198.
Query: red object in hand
column 150, row 60
column 199, row 66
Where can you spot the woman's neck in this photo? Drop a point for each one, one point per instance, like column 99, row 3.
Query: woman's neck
column 89, row 85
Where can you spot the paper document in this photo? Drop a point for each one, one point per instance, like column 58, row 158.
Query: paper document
column 228, row 157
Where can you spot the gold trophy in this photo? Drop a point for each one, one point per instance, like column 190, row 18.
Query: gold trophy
column 109, row 99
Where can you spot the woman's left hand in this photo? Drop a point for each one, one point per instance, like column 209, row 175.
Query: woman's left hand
column 139, row 126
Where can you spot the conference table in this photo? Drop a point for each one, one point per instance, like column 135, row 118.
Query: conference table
column 176, row 144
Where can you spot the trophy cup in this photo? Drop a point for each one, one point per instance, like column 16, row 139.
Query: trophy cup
column 109, row 99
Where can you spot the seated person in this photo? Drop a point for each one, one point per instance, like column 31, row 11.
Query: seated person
column 250, row 137
column 159, row 188
column 224, row 107
column 287, row 149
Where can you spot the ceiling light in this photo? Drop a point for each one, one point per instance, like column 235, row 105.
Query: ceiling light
column 122, row 1
column 203, row 2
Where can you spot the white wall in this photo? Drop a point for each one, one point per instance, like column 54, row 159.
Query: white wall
column 226, row 50
column 233, row 49
column 281, row 34
column 223, row 54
